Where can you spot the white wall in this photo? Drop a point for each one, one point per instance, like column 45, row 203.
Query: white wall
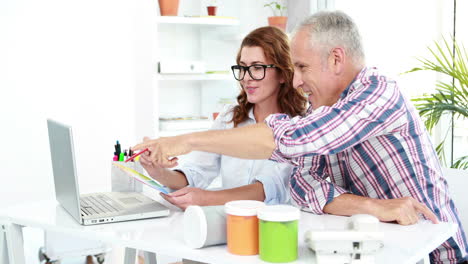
column 396, row 32
column 87, row 63
column 73, row 61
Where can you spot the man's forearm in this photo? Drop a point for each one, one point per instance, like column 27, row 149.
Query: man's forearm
column 249, row 142
column 403, row 210
column 350, row 204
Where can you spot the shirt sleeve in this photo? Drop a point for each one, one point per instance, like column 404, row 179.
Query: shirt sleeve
column 314, row 189
column 275, row 179
column 201, row 168
column 375, row 109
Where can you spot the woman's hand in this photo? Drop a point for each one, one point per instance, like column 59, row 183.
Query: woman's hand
column 188, row 196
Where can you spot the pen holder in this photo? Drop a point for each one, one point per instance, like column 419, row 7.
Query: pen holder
column 121, row 182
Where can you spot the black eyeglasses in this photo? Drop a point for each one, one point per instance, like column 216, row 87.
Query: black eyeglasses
column 256, row 71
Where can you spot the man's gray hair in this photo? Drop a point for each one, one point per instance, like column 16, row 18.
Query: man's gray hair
column 329, row 29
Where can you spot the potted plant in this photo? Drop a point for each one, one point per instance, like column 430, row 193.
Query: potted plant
column 211, row 8
column 450, row 97
column 278, row 19
column 169, row 7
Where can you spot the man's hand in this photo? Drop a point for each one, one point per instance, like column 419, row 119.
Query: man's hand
column 405, row 211
column 146, row 162
column 164, row 151
column 187, row 196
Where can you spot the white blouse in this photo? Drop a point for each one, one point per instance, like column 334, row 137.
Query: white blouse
column 201, row 168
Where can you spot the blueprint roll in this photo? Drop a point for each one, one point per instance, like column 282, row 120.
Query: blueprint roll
column 204, row 226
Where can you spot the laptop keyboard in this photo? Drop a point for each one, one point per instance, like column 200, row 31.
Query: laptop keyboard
column 98, row 204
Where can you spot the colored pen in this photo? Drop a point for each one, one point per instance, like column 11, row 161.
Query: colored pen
column 136, row 154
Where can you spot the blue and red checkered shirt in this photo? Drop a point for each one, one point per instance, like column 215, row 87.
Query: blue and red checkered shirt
column 370, row 143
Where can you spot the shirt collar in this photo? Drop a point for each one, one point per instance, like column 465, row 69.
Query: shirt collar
column 251, row 114
column 352, row 86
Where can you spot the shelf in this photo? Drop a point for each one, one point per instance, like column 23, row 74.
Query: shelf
column 171, row 133
column 217, row 21
column 194, row 77
column 176, row 127
column 195, row 124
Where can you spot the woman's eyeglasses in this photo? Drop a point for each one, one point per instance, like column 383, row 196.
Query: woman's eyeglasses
column 256, row 71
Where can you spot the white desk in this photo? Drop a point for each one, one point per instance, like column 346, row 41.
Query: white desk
column 402, row 244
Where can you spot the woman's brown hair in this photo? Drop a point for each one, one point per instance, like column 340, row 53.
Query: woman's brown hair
column 275, row 45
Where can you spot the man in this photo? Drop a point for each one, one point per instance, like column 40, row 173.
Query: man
column 360, row 132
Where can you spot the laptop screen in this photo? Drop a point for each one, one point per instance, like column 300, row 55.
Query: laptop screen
column 64, row 169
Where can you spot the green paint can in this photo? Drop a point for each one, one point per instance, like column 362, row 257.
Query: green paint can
column 278, row 230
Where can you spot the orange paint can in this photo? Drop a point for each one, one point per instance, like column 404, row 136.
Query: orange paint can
column 242, row 226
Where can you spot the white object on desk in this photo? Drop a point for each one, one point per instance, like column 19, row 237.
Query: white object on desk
column 204, row 226
column 358, row 243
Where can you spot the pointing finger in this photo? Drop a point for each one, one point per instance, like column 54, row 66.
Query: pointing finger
column 141, row 146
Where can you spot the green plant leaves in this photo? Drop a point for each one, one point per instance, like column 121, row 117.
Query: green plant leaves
column 276, row 8
column 449, row 98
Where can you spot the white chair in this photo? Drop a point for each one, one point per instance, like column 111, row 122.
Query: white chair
column 458, row 182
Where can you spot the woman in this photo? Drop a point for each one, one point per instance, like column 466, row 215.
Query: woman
column 265, row 73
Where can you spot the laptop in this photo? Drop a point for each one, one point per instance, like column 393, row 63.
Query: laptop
column 93, row 208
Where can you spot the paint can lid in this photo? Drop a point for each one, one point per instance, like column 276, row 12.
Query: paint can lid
column 279, row 213
column 243, row 207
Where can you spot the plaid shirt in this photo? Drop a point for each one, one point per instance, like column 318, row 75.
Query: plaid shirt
column 370, row 143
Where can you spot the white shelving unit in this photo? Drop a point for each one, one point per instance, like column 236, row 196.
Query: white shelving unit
column 194, row 77
column 181, row 95
column 215, row 21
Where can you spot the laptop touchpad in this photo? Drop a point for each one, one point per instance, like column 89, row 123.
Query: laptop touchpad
column 130, row 200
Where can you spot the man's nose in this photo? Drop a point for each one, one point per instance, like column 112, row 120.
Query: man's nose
column 297, row 80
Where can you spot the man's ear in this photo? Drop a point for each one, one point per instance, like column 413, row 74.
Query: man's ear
column 337, row 60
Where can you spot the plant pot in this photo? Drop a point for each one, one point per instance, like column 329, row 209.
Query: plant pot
column 169, row 7
column 278, row 21
column 211, row 10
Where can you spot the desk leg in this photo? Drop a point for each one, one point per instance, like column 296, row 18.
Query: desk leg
column 130, row 256
column 3, row 245
column 14, row 243
column 150, row 257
